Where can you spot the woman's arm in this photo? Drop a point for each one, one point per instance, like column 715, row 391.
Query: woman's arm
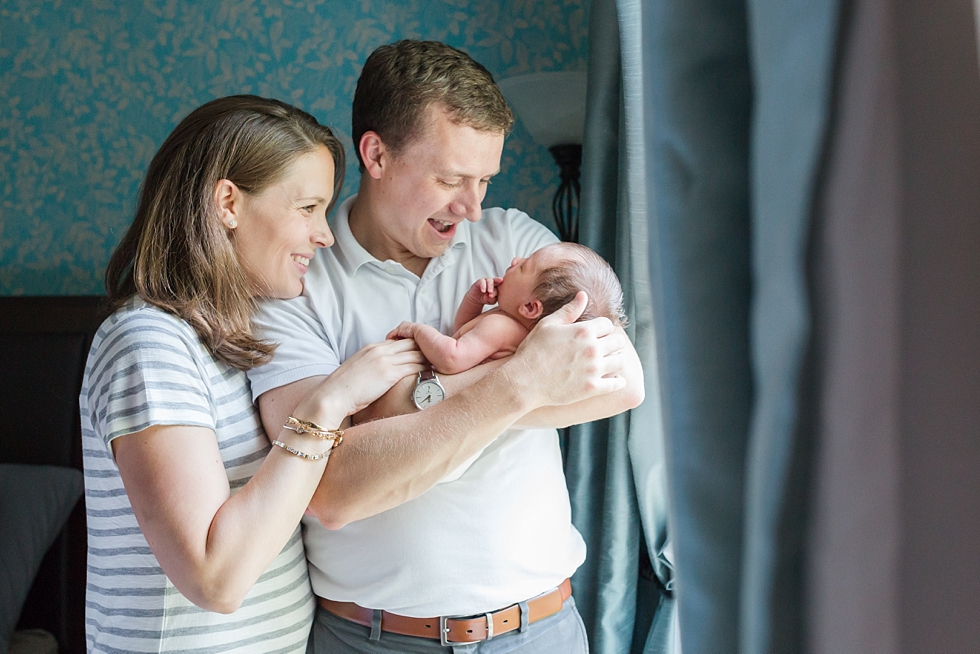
column 205, row 539
column 214, row 545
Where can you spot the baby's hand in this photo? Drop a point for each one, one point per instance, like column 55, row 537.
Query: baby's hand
column 404, row 330
column 484, row 290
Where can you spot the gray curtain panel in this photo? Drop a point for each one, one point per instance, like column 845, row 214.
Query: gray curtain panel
column 740, row 104
column 698, row 109
column 809, row 175
column 893, row 556
column 615, row 468
column 793, row 53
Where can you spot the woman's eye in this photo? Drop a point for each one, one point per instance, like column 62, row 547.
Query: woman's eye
column 310, row 208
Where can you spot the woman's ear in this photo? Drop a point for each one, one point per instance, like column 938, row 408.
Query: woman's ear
column 372, row 150
column 228, row 200
column 531, row 309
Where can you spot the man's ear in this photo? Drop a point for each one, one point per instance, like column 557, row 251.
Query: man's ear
column 531, row 309
column 372, row 150
column 228, row 199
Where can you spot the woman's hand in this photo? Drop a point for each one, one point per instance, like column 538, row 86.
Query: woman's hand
column 366, row 376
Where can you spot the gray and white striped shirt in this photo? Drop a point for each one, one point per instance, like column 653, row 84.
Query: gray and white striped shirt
column 147, row 367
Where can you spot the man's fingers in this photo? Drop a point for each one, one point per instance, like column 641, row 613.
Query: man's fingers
column 570, row 312
column 610, row 384
column 613, row 342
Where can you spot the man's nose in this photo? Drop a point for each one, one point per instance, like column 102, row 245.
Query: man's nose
column 468, row 201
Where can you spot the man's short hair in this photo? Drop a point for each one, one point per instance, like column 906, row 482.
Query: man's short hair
column 401, row 80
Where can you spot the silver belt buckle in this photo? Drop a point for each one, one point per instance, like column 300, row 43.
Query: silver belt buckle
column 444, row 631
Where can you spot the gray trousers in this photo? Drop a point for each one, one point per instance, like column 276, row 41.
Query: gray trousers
column 561, row 633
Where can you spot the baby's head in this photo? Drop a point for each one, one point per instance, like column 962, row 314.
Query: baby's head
column 549, row 279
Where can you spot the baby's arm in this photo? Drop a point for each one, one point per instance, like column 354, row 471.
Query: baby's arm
column 482, row 292
column 490, row 334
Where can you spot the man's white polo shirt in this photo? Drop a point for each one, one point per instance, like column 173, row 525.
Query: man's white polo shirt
column 498, row 534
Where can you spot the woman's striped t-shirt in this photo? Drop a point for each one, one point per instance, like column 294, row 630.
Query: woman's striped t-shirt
column 147, row 367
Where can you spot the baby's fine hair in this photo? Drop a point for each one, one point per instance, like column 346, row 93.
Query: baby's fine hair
column 581, row 269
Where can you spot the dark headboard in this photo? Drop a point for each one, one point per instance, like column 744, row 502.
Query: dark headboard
column 43, row 345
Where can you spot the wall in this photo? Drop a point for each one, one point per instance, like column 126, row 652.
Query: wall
column 92, row 88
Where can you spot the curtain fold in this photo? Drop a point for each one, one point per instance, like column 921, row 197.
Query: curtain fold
column 615, row 468
column 794, row 55
column 798, row 180
column 699, row 108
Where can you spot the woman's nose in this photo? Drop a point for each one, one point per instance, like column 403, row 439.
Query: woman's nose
column 322, row 237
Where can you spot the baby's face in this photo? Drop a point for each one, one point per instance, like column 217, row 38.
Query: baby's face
column 522, row 277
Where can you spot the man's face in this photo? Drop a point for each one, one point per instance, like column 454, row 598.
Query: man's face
column 434, row 184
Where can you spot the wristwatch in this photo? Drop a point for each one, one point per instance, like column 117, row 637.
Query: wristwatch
column 428, row 391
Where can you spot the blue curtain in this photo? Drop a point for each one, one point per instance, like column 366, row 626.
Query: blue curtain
column 800, row 180
column 706, row 124
column 616, row 468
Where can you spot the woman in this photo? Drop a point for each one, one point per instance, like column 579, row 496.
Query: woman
column 192, row 515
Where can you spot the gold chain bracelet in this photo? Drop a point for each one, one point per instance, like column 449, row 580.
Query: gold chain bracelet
column 308, row 457
column 307, row 427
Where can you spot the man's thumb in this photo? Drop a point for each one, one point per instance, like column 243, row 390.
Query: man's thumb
column 571, row 311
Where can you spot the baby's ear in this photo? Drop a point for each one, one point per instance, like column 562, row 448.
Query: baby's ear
column 531, row 309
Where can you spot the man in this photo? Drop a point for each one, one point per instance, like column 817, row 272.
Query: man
column 452, row 510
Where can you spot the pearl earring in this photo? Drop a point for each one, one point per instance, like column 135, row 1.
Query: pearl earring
column 232, row 224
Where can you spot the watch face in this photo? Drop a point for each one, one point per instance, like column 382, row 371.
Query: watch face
column 427, row 393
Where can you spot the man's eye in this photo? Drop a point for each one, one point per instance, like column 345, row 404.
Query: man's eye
column 451, row 184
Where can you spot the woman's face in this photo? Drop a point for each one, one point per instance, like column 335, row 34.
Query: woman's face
column 280, row 228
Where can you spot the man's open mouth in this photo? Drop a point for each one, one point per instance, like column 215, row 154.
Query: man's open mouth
column 441, row 226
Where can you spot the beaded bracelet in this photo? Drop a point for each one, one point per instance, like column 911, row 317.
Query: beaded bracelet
column 308, row 457
column 307, row 427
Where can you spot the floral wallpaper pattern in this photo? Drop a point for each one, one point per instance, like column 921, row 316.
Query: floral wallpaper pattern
column 92, row 87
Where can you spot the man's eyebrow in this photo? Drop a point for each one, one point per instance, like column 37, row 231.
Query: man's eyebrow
column 453, row 173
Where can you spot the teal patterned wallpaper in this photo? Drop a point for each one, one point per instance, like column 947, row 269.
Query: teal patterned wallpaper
column 91, row 88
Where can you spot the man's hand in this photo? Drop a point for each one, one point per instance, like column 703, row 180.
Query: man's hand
column 563, row 361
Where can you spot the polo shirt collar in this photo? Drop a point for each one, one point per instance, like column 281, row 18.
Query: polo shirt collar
column 352, row 254
column 349, row 252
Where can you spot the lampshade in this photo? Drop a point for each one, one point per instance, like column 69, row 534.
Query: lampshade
column 551, row 105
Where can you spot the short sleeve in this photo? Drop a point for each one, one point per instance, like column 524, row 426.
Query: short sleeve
column 145, row 371
column 302, row 346
column 529, row 235
column 503, row 234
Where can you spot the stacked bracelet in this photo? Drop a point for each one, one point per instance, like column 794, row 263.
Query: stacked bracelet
column 308, row 457
column 307, row 427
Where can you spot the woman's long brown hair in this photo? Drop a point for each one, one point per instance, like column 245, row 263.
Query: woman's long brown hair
column 177, row 255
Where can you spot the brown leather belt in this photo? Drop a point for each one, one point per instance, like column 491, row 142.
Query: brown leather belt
column 456, row 630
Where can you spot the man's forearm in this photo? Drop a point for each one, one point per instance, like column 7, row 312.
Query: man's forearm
column 384, row 463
